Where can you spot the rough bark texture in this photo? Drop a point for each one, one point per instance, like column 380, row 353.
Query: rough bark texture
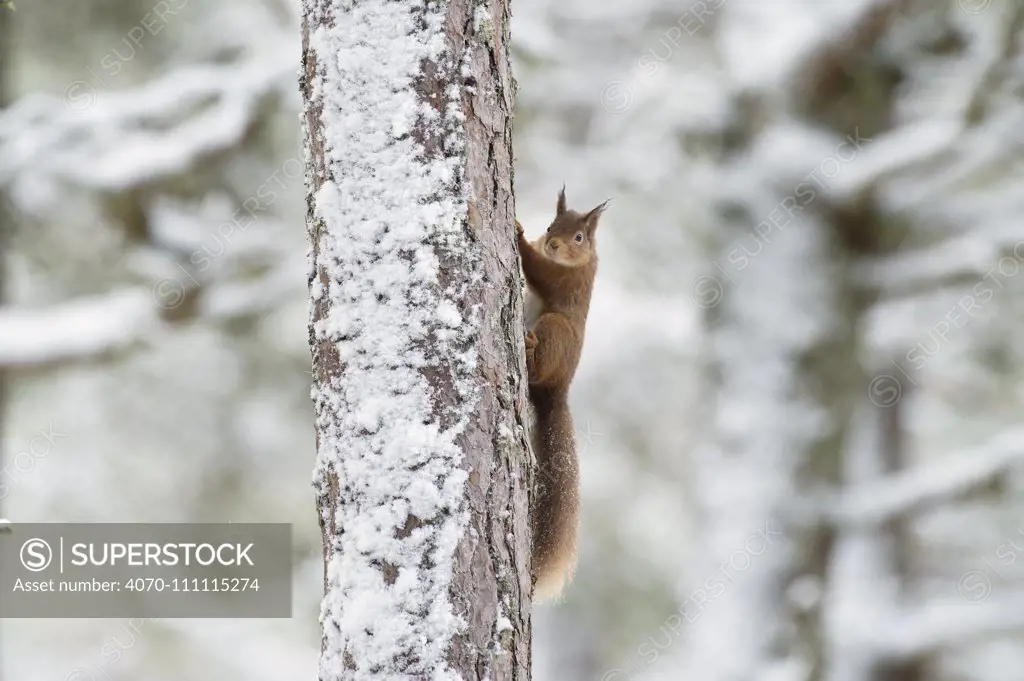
column 490, row 586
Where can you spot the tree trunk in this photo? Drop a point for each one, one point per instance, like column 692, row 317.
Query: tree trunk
column 783, row 365
column 422, row 472
column 792, row 413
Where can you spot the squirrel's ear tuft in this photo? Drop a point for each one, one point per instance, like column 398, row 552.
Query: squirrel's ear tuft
column 590, row 219
column 560, row 208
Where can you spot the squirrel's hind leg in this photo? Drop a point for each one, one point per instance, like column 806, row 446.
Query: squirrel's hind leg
column 549, row 362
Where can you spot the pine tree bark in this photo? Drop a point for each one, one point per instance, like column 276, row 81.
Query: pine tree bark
column 416, row 336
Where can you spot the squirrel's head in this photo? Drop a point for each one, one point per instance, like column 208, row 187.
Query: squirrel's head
column 570, row 240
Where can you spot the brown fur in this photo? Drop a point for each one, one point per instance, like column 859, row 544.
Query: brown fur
column 560, row 273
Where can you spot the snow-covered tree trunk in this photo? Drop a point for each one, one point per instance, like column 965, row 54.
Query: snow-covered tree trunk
column 782, row 341
column 416, row 337
column 784, row 314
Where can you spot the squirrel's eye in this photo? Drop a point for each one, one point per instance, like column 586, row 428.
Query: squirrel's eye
column 579, row 238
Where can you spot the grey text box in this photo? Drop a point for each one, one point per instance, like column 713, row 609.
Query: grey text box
column 158, row 570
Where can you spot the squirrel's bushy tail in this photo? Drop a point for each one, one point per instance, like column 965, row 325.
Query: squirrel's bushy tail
column 557, row 504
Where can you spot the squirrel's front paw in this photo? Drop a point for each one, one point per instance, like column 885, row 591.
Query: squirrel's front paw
column 519, row 228
column 531, row 340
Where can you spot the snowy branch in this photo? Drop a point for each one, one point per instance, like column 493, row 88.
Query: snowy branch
column 85, row 328
column 939, row 624
column 962, row 260
column 124, row 139
column 918, row 488
column 970, row 159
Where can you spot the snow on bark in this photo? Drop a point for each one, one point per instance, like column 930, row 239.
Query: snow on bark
column 400, row 513
column 416, row 334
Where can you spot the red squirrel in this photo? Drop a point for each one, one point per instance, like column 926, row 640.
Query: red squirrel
column 559, row 268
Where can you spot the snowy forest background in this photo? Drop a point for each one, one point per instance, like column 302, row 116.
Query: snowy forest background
column 153, row 340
